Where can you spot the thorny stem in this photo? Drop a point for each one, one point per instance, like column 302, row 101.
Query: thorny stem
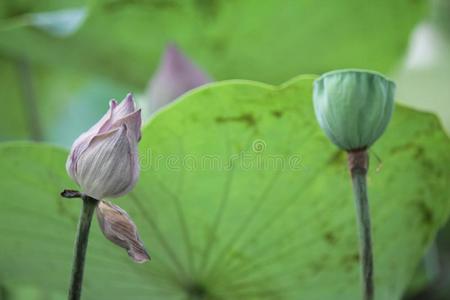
column 358, row 164
column 84, row 223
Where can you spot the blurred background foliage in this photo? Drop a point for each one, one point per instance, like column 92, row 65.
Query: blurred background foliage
column 61, row 60
column 61, row 55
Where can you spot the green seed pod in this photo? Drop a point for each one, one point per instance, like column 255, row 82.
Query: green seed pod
column 353, row 107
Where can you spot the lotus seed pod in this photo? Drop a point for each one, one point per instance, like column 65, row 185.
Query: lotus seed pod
column 353, row 107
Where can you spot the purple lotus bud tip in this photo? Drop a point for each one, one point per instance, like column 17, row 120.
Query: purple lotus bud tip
column 103, row 161
column 129, row 97
column 118, row 227
column 175, row 76
column 112, row 103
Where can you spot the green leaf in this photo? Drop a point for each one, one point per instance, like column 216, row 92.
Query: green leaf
column 241, row 196
column 270, row 42
column 19, row 292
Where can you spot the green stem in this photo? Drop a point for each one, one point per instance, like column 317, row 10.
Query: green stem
column 365, row 238
column 30, row 106
column 358, row 168
column 431, row 262
column 81, row 243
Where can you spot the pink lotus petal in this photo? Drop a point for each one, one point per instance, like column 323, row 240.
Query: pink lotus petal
column 107, row 167
column 104, row 159
column 133, row 122
column 82, row 142
column 124, row 108
column 175, row 76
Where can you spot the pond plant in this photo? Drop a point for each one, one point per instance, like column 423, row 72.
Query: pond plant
column 246, row 199
column 104, row 162
column 354, row 107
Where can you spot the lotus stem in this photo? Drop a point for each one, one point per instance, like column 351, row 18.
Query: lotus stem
column 358, row 164
column 84, row 224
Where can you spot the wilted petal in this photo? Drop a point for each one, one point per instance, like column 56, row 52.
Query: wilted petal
column 175, row 76
column 107, row 168
column 118, row 227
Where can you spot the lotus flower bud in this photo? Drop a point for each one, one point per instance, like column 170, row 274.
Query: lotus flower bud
column 103, row 161
column 175, row 76
column 118, row 227
column 353, row 107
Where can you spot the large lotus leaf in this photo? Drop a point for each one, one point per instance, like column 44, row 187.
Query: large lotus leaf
column 269, row 40
column 241, row 196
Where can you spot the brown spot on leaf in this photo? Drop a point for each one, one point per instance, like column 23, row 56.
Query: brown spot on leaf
column 419, row 154
column 277, row 113
column 426, row 213
column 247, row 118
column 401, row 148
column 330, row 237
column 319, row 265
column 337, row 158
column 349, row 261
column 418, row 150
column 316, row 267
column 208, row 8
